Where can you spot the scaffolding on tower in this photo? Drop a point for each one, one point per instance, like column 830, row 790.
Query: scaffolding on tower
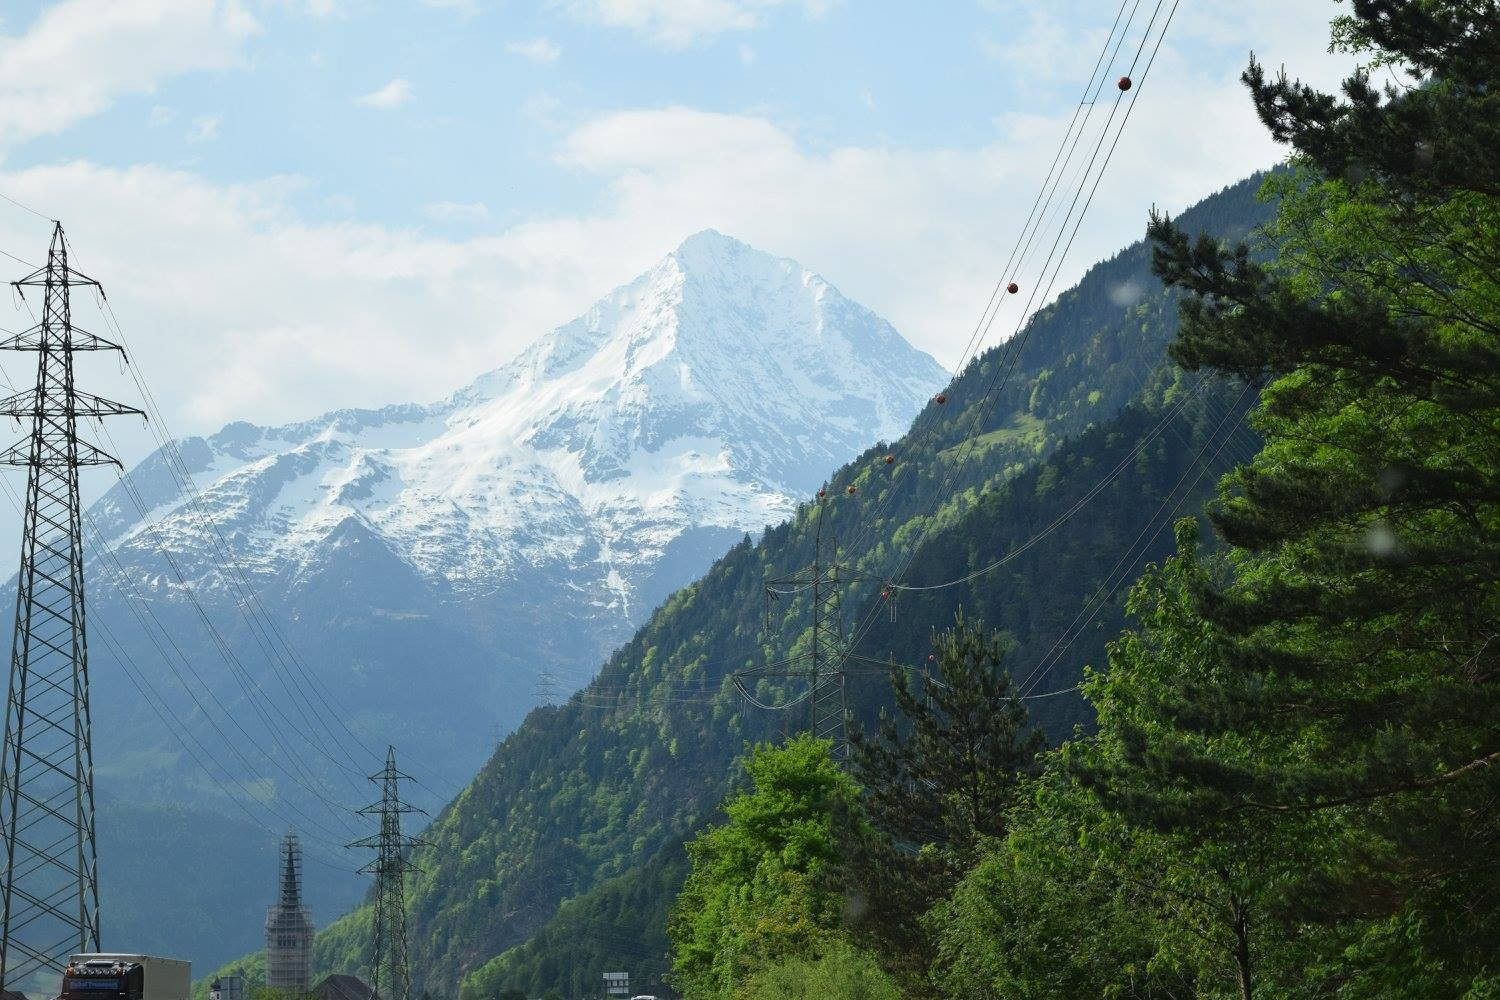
column 49, row 902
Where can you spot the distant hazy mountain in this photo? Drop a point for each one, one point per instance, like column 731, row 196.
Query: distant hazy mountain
column 428, row 561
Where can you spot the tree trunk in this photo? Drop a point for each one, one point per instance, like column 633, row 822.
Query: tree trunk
column 1242, row 950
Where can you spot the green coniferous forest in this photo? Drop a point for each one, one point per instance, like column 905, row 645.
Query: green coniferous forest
column 1251, row 754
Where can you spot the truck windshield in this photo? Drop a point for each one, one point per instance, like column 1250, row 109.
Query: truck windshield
column 106, row 983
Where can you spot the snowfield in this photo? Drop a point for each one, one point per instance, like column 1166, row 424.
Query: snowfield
column 714, row 391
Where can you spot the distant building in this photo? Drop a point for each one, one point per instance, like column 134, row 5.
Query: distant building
column 289, row 927
column 227, row 988
column 343, row 988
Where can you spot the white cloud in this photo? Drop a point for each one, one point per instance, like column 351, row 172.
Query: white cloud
column 267, row 316
column 679, row 23
column 392, row 95
column 540, row 50
column 462, row 6
column 457, row 211
column 162, row 115
column 205, row 128
column 78, row 57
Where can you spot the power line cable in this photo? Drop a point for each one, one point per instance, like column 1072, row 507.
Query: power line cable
column 241, row 675
column 1003, row 373
column 113, row 643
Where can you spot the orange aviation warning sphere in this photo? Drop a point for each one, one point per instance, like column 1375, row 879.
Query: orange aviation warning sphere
column 940, row 399
column 889, row 459
column 1124, row 83
column 1013, row 288
column 851, row 491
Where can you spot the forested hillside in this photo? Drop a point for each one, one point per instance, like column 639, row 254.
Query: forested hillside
column 1288, row 786
column 590, row 801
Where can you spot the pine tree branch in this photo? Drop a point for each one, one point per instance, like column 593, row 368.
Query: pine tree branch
column 1413, row 786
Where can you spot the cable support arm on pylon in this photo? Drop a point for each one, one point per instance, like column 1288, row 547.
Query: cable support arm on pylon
column 50, row 275
column 79, row 339
column 24, row 404
column 18, row 455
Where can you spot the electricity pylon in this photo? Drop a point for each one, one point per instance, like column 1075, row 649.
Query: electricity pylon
column 546, row 687
column 51, row 887
column 390, row 964
column 823, row 663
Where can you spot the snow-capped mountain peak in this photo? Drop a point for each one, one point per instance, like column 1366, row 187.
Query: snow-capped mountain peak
column 700, row 400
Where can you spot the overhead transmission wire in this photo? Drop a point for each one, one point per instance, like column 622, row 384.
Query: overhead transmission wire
column 1013, row 346
column 310, row 735
column 305, row 781
column 1229, row 423
column 250, row 605
column 140, row 608
column 262, row 625
column 1035, row 538
column 705, row 691
column 928, row 678
column 87, row 521
column 175, row 726
column 25, row 208
column 1015, row 263
column 1022, row 332
column 243, row 678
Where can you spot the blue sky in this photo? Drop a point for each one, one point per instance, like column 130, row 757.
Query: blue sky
column 482, row 90
column 303, row 204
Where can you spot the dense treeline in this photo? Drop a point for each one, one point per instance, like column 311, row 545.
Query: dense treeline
column 1292, row 783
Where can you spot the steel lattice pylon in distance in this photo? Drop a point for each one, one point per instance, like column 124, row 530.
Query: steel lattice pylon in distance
column 390, row 968
column 823, row 662
column 51, row 888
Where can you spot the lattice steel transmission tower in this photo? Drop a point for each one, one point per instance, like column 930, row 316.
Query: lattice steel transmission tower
column 390, row 964
column 51, row 887
column 823, row 663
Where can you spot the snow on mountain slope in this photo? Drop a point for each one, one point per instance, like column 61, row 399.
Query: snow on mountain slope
column 709, row 394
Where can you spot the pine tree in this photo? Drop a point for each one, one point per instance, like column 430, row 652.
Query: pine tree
column 1355, row 633
column 938, row 778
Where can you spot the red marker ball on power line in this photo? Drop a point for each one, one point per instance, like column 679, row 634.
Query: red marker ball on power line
column 851, row 491
column 1013, row 288
column 940, row 399
column 1124, row 83
column 931, row 657
column 889, row 459
column 822, row 494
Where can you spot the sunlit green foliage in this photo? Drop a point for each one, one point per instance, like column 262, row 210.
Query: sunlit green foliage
column 841, row 971
column 764, row 887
